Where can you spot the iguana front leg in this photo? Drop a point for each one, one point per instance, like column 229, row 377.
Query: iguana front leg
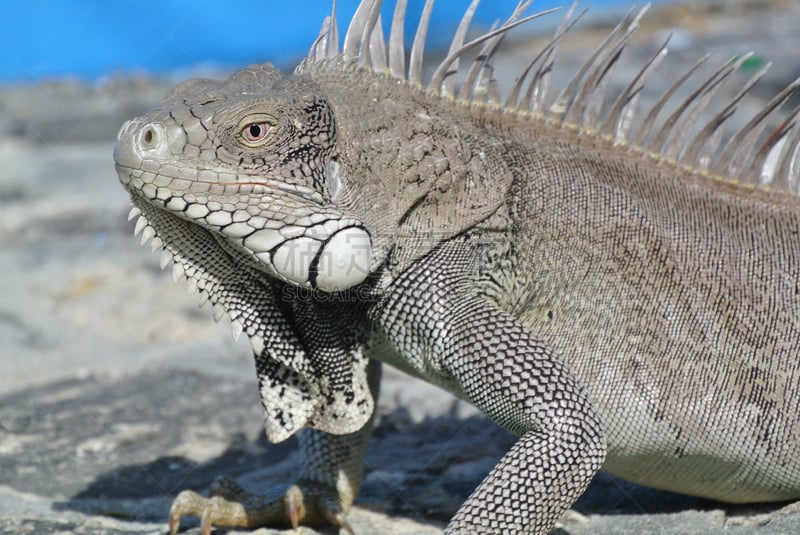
column 331, row 464
column 329, row 480
column 523, row 386
column 469, row 346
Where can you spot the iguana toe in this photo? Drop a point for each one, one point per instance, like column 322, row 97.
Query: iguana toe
column 211, row 511
column 304, row 502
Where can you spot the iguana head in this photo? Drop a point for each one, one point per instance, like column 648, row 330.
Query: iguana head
column 251, row 159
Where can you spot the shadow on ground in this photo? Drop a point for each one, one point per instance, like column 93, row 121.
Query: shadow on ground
column 124, row 448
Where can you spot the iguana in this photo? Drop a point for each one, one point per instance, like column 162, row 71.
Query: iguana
column 617, row 294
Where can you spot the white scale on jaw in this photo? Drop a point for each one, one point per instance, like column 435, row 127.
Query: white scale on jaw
column 341, row 251
column 320, row 250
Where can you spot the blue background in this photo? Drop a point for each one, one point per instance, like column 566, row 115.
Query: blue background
column 43, row 39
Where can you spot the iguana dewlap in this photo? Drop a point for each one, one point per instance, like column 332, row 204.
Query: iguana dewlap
column 600, row 281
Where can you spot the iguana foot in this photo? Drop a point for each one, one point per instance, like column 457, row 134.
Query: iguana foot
column 304, row 502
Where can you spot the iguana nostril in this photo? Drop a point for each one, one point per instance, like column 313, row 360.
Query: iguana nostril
column 148, row 137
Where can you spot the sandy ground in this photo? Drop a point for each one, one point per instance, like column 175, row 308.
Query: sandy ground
column 116, row 392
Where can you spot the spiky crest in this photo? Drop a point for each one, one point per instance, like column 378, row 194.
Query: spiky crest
column 775, row 162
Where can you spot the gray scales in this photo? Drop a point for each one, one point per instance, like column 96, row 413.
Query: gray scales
column 614, row 286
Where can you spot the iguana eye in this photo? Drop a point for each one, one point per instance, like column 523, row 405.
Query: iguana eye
column 254, row 130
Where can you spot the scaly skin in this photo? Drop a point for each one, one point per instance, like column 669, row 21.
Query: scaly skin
column 601, row 303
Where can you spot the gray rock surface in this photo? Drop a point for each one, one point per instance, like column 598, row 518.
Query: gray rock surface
column 116, row 392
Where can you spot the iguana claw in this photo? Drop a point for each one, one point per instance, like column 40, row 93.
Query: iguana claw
column 228, row 504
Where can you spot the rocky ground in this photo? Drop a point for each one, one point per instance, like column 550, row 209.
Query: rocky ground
column 116, row 392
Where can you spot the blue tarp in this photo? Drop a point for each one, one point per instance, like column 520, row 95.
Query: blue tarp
column 92, row 38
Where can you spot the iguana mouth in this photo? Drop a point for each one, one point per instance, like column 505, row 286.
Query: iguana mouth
column 135, row 179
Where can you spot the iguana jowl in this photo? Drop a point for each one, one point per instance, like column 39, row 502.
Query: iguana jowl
column 606, row 292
